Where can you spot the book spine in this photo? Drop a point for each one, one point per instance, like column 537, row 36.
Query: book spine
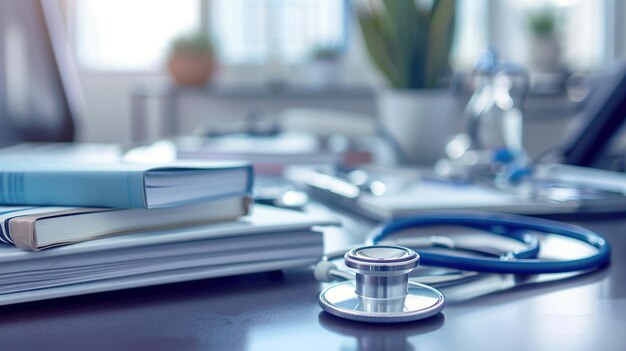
column 76, row 188
column 27, row 238
column 250, row 184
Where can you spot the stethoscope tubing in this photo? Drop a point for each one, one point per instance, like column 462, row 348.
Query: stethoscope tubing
column 511, row 226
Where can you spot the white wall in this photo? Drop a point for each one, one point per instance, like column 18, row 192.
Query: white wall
column 107, row 104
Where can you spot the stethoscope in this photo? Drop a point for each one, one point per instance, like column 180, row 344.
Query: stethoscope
column 380, row 290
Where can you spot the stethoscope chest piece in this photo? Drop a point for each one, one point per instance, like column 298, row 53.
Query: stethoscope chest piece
column 381, row 292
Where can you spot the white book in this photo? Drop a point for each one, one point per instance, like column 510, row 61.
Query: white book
column 35, row 228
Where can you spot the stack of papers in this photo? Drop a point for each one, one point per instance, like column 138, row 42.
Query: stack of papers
column 269, row 239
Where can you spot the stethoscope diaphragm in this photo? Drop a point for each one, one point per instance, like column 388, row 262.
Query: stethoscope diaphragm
column 381, row 292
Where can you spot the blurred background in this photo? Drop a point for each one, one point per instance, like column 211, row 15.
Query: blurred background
column 154, row 68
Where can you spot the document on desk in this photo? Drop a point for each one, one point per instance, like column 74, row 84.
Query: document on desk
column 269, row 239
column 557, row 189
column 553, row 190
column 270, row 155
column 433, row 196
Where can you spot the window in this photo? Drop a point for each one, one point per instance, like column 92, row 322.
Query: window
column 582, row 29
column 129, row 35
column 134, row 35
column 471, row 33
column 275, row 31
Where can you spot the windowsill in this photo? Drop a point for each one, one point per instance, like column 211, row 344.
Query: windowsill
column 260, row 91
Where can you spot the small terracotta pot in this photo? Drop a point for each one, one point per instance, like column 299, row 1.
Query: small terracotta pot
column 191, row 69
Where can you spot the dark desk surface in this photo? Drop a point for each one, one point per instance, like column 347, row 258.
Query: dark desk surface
column 279, row 311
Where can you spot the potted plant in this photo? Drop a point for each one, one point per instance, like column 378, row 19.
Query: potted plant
column 546, row 52
column 410, row 41
column 325, row 65
column 191, row 60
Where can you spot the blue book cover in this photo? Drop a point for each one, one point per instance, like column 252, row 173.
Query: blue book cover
column 121, row 185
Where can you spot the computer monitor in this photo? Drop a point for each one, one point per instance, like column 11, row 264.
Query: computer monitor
column 604, row 116
column 39, row 95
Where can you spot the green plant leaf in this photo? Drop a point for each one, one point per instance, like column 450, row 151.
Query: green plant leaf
column 440, row 38
column 410, row 44
column 377, row 41
column 192, row 43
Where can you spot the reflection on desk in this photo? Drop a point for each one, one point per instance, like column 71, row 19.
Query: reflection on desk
column 280, row 311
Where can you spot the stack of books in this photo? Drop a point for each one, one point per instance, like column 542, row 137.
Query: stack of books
column 50, row 204
column 137, row 225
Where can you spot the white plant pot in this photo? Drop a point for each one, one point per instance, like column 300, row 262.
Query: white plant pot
column 324, row 73
column 546, row 53
column 418, row 122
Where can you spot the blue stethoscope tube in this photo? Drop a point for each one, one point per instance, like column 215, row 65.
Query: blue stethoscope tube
column 515, row 227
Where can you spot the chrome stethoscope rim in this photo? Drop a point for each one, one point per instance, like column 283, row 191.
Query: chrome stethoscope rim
column 381, row 292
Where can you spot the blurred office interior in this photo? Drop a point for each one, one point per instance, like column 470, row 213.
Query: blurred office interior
column 313, row 65
column 351, row 112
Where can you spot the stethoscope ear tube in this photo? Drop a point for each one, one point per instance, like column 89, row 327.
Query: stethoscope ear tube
column 509, row 226
column 515, row 266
